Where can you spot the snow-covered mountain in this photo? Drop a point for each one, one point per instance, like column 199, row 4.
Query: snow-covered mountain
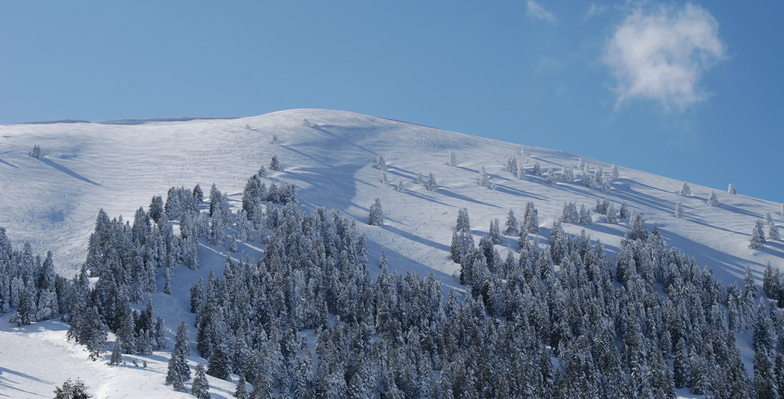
column 332, row 158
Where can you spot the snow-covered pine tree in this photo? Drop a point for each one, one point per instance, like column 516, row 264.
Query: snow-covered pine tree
column 178, row 370
column 400, row 187
column 531, row 218
column 495, row 232
column 384, row 179
column 731, row 189
column 612, row 218
column 757, row 236
column 376, row 217
column 511, row 164
column 586, row 179
column 712, row 199
column 550, row 177
column 431, row 184
column 72, row 390
column 36, row 152
column 463, row 221
column 94, row 333
column 419, row 179
column 242, row 390
column 569, row 213
column 764, row 383
column 156, row 208
column 623, row 213
column 274, row 163
column 381, row 163
column 585, row 215
column 218, row 365
column 117, row 358
column 537, row 169
column 198, row 194
column 452, row 160
column 520, row 171
column 614, row 171
column 679, row 210
column 512, row 227
column 564, row 174
column 483, row 180
column 638, row 227
column 606, row 184
column 773, row 230
column 598, row 175
column 685, row 190
column 200, row 387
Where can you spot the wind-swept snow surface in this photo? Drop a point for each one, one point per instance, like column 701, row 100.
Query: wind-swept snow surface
column 331, row 157
column 337, row 160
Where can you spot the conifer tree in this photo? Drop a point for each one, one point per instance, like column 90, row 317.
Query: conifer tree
column 431, row 184
column 242, row 390
column 611, row 217
column 483, row 179
column 537, row 169
column 376, row 217
column 550, row 179
column 773, row 231
column 117, row 358
column 685, row 190
column 156, row 208
column 679, row 210
column 72, row 390
column 712, row 199
column 274, row 163
column 219, row 366
column 764, row 385
column 731, row 189
column 638, row 228
column 614, row 171
column 94, row 333
column 567, row 176
column 757, row 236
column 531, row 218
column 520, row 171
column 452, row 160
column 495, row 232
column 623, row 213
column 198, row 194
column 178, row 370
column 512, row 227
column 201, row 387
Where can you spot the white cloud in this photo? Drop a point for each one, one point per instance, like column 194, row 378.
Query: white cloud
column 534, row 10
column 661, row 54
column 594, row 11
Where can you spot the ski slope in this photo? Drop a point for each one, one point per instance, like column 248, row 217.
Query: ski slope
column 330, row 156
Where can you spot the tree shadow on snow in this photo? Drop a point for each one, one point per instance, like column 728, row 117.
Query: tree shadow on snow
column 67, row 171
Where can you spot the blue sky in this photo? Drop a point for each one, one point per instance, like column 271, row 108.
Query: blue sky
column 693, row 91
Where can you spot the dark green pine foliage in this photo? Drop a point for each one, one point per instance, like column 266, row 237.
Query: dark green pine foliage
column 94, row 333
column 764, row 384
column 72, row 390
column 219, row 366
column 200, row 387
column 178, row 371
column 242, row 390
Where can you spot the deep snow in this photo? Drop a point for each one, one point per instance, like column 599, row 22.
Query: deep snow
column 330, row 156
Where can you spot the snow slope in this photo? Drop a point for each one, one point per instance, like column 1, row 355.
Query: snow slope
column 330, row 156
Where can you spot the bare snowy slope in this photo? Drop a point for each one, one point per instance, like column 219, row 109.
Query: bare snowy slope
column 330, row 156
